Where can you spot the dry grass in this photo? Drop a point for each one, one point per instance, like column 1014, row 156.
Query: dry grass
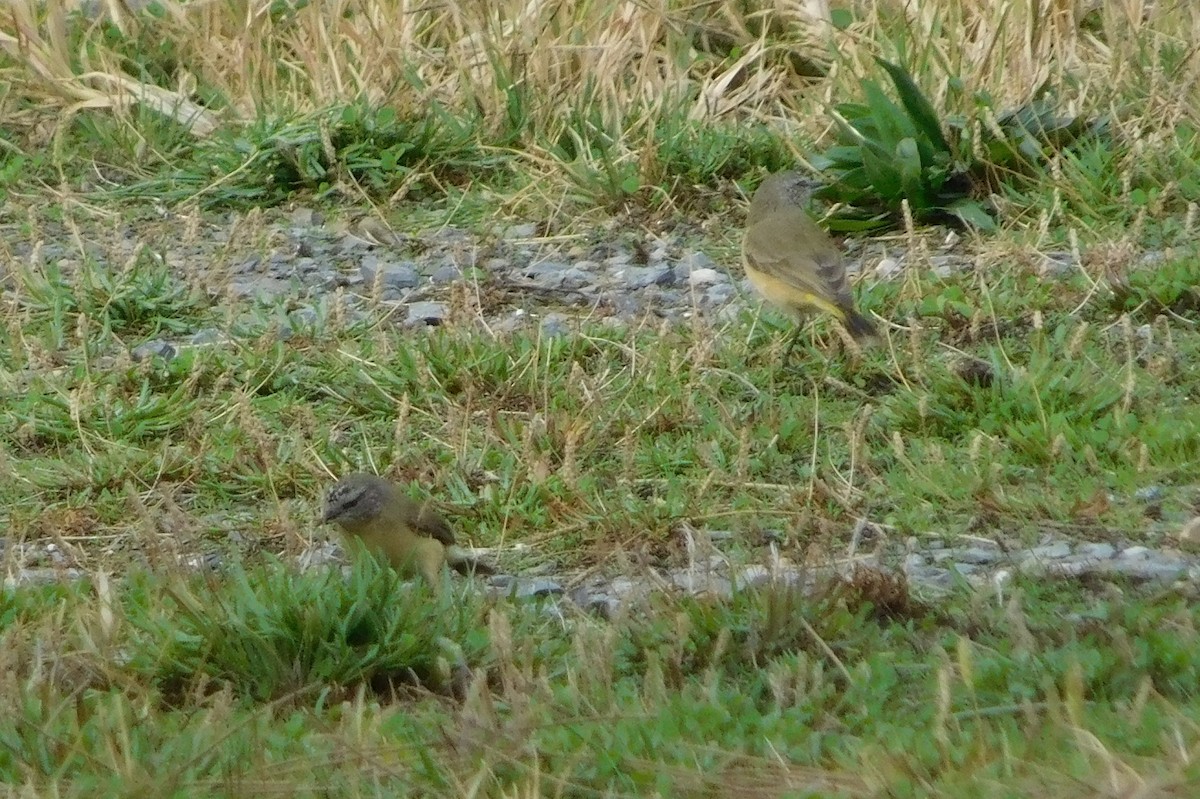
column 593, row 70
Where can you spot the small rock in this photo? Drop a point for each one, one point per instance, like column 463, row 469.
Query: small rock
column 1157, row 569
column 1049, row 551
column 948, row 265
column 154, row 348
column 693, row 266
column 1150, row 493
column 427, row 313
column 754, row 576
column 304, row 317
column 265, row 289
column 251, row 263
column 527, row 230
column 702, row 582
column 1056, row 264
column 305, row 217
column 1096, row 551
column 704, row 277
column 540, row 586
column 546, row 275
column 719, row 294
column 888, row 268
column 639, row 277
column 447, row 273
column 1189, row 535
column 1135, row 553
column 555, row 325
column 978, row 555
column 390, row 274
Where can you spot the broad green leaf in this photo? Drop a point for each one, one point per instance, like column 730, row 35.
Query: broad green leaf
column 920, row 110
column 908, row 163
column 885, row 179
column 888, row 118
column 971, row 212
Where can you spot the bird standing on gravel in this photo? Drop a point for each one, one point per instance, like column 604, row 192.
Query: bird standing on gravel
column 790, row 260
column 376, row 515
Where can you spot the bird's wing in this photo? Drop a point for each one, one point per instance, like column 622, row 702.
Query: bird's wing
column 430, row 523
column 770, row 247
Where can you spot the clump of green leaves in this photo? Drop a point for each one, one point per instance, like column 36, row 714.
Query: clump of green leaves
column 268, row 633
column 889, row 152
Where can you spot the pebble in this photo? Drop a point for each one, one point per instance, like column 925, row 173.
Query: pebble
column 657, row 277
column 154, row 348
column 555, row 325
column 427, row 313
column 395, row 275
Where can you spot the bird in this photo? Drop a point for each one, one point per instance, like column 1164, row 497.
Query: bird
column 790, row 260
column 377, row 516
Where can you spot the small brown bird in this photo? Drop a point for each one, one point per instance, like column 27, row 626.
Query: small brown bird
column 790, row 260
column 376, row 515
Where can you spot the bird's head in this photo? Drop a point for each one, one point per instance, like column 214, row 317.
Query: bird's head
column 356, row 498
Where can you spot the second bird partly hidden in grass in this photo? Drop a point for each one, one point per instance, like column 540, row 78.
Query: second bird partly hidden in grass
column 791, row 261
column 377, row 516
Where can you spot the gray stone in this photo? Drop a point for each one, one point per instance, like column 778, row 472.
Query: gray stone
column 1057, row 264
column 1151, row 493
column 1096, row 551
column 540, row 586
column 251, row 263
column 1135, row 553
column 523, row 231
column 576, row 279
column 304, row 317
column 263, row 288
column 448, row 273
column 638, row 277
column 697, row 269
column 948, row 265
column 1049, row 551
column 390, row 274
column 979, row 555
column 933, row 577
column 702, row 582
column 1157, row 569
column 754, row 576
column 555, row 325
column 659, row 252
column 304, row 266
column 719, row 294
column 546, row 275
column 888, row 269
column 428, row 313
column 154, row 348
column 305, row 217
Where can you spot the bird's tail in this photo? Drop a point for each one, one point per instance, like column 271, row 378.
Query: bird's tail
column 466, row 563
column 858, row 325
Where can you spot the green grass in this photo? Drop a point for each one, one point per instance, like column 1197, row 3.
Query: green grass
column 1001, row 404
column 259, row 679
column 148, row 692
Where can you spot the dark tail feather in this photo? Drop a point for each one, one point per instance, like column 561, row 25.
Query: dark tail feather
column 858, row 325
column 476, row 567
